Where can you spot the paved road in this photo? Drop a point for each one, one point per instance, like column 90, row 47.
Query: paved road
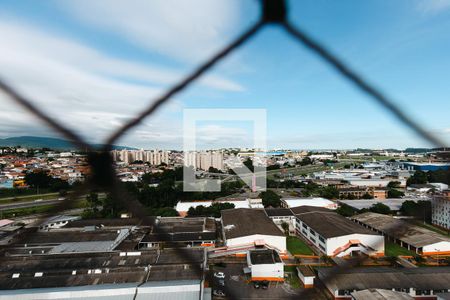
column 237, row 286
column 35, row 203
column 28, row 204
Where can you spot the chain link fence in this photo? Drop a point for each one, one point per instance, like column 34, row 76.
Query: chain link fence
column 103, row 176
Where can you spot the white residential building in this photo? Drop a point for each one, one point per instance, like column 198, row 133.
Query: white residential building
column 204, row 160
column 440, row 209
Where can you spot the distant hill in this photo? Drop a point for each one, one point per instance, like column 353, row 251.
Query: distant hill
column 47, row 142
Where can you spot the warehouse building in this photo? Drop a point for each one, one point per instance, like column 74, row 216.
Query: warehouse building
column 246, row 226
column 310, row 201
column 265, row 264
column 152, row 274
column 180, row 232
column 334, row 235
column 420, row 283
column 418, row 239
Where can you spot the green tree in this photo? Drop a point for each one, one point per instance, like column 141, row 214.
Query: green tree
column 211, row 211
column 394, row 193
column 367, row 196
column 380, row 208
column 442, row 176
column 420, row 209
column 285, row 227
column 393, row 184
column 163, row 212
column 270, row 199
column 39, row 179
column 419, row 177
column 329, row 192
column 346, row 210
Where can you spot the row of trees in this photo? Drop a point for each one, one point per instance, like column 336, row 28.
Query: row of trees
column 419, row 210
column 211, row 211
column 421, row 177
column 43, row 181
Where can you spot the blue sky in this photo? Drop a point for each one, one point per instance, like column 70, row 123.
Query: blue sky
column 93, row 64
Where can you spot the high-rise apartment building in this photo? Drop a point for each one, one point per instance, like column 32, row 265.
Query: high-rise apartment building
column 153, row 157
column 440, row 209
column 204, row 160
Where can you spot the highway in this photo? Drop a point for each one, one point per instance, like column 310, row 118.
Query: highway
column 28, row 204
column 35, row 203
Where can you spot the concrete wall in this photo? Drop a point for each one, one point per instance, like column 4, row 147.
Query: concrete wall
column 272, row 272
column 308, row 281
column 437, row 248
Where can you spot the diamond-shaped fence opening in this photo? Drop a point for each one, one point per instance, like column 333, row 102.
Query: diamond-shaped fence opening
column 273, row 13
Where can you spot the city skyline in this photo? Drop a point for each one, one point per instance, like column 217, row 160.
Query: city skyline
column 100, row 71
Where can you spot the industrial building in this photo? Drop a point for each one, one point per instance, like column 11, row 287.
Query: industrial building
column 420, row 283
column 105, row 275
column 334, row 235
column 393, row 203
column 245, row 226
column 426, row 166
column 310, row 201
column 418, row 239
column 380, row 294
column 101, row 259
column 180, row 232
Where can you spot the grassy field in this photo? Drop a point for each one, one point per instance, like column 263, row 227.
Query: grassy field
column 392, row 249
column 297, row 246
column 293, row 280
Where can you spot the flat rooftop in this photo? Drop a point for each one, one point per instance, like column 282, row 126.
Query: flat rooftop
column 259, row 257
column 306, row 270
column 179, row 237
column 414, row 235
column 246, row 221
column 65, row 270
column 424, row 278
column 380, row 294
column 393, row 203
column 182, row 225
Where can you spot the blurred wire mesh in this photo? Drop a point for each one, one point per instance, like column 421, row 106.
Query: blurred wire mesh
column 273, row 13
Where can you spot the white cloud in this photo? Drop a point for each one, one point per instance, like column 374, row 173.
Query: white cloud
column 432, row 6
column 183, row 29
column 79, row 85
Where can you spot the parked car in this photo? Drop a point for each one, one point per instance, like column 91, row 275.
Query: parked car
column 219, row 275
column 221, row 282
column 256, row 285
column 218, row 293
column 265, row 285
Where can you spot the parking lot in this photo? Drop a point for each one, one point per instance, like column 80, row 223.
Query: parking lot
column 237, row 285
